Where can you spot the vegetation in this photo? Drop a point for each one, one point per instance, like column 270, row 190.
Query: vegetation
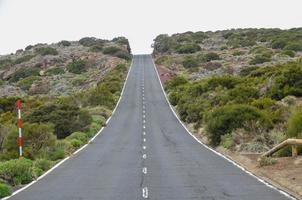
column 46, row 51
column 226, row 104
column 77, row 66
column 58, row 123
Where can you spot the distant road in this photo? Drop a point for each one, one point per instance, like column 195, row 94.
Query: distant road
column 145, row 153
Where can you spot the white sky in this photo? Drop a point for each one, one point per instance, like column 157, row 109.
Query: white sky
column 24, row 22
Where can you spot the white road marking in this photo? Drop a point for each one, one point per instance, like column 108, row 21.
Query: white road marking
column 144, row 127
column 144, row 147
column 145, row 170
column 144, row 133
column 144, row 139
column 144, row 111
column 145, row 193
column 144, row 116
column 144, row 121
column 144, row 156
column 143, row 98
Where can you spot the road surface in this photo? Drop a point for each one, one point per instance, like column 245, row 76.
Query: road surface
column 145, row 153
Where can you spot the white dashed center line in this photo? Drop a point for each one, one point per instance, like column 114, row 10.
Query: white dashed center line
column 145, row 193
column 144, row 156
column 144, row 147
column 145, row 170
column 144, row 139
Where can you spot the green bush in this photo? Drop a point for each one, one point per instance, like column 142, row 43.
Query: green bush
column 46, row 51
column 5, row 190
column 37, row 138
column 76, row 143
column 210, row 56
column 279, row 44
column 66, row 118
column 101, row 96
column 289, row 53
column 288, row 81
column 64, row 43
column 266, row 161
column 163, row 43
column 23, row 59
column 17, row 171
column 294, row 125
column 79, row 136
column 188, row 48
column 23, row 73
column 175, row 82
column 227, row 141
column 77, row 66
column 91, row 41
column 294, row 46
column 97, row 48
column 54, row 71
column 111, row 50
column 26, row 83
column 259, row 59
column 123, row 55
column 190, row 62
column 225, row 119
column 57, row 154
column 42, row 164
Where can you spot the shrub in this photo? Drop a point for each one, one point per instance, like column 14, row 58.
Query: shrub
column 279, row 44
column 42, row 164
column 210, row 56
column 5, row 190
column 76, row 143
column 54, row 71
column 77, row 66
column 266, row 161
column 294, row 124
column 225, row 119
column 78, row 136
column 37, row 138
column 163, row 43
column 66, row 118
column 123, row 55
column 294, row 46
column 23, row 73
column 227, row 141
column 26, row 83
column 288, row 82
column 101, row 96
column 57, row 154
column 259, row 59
column 46, row 51
column 97, row 48
column 190, row 62
column 90, row 41
column 176, row 81
column 64, row 43
column 23, row 59
column 17, row 171
column 111, row 50
column 289, row 53
column 188, row 48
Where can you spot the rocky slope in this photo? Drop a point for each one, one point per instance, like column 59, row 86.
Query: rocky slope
column 60, row 68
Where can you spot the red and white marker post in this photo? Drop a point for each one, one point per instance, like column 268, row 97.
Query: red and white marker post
column 20, row 141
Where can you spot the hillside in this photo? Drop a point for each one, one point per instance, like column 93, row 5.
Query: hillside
column 68, row 90
column 239, row 91
column 203, row 54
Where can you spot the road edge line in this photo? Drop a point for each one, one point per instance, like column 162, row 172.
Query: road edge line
column 77, row 151
column 266, row 183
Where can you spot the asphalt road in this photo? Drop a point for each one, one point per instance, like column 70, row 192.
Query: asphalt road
column 144, row 152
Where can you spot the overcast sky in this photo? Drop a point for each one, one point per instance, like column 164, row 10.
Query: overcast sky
column 24, row 22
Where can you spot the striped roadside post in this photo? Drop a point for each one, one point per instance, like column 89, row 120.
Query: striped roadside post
column 20, row 142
